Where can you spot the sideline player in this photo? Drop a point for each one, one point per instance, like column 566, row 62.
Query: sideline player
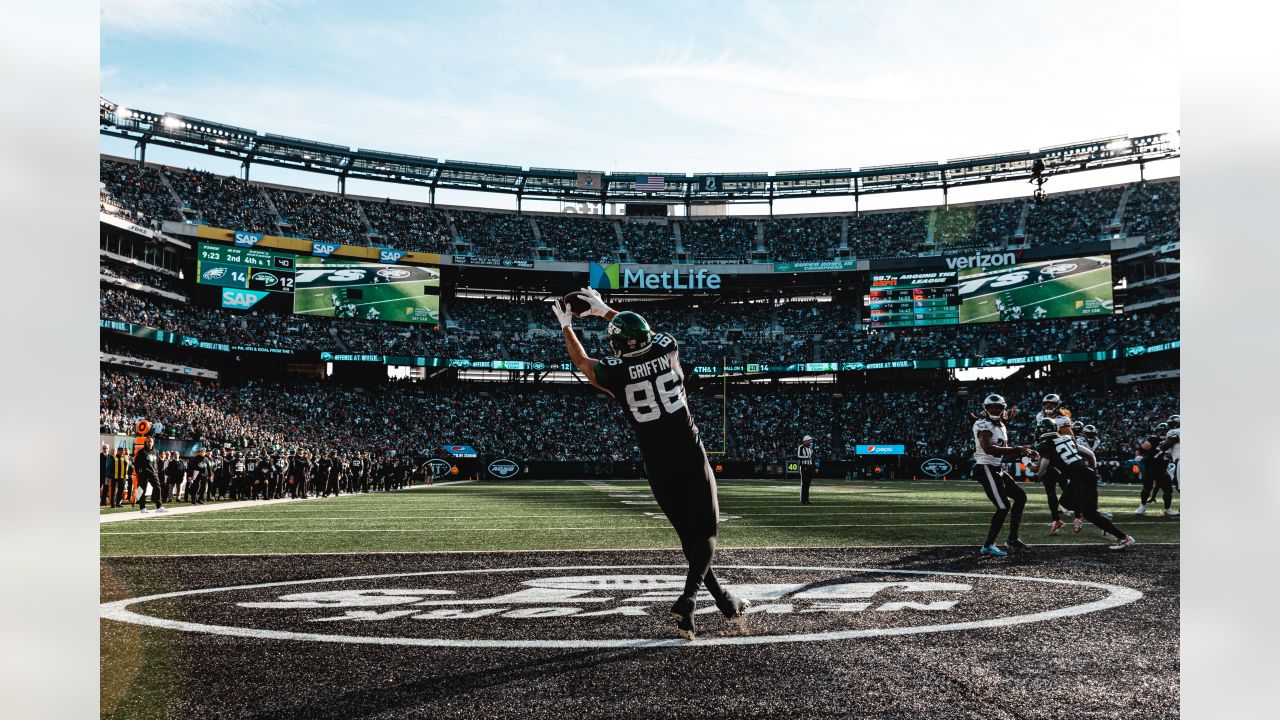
column 1172, row 446
column 991, row 446
column 1155, row 474
column 645, row 377
column 1051, row 409
column 1081, row 489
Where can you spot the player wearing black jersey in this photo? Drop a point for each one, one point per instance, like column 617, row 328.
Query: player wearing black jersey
column 644, row 376
column 1155, row 472
column 1080, row 493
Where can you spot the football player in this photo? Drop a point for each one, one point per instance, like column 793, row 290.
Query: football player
column 644, row 375
column 991, row 448
column 1155, row 473
column 1080, row 492
column 1051, row 409
column 1172, row 447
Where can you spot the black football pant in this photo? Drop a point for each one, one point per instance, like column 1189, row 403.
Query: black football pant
column 1003, row 492
column 1157, row 478
column 157, row 493
column 117, row 492
column 685, row 488
column 1081, row 495
column 806, row 479
column 104, row 490
column 1051, row 480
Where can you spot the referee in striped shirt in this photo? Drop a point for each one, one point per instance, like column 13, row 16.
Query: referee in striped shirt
column 804, row 454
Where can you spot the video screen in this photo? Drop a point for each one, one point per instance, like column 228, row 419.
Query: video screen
column 230, row 266
column 367, row 291
column 1060, row 288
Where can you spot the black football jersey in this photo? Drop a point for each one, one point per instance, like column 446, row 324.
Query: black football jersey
column 649, row 386
column 1154, row 450
column 1060, row 451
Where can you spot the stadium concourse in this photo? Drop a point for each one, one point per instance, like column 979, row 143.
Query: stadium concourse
column 539, row 587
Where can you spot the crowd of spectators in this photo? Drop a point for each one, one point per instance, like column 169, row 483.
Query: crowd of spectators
column 321, row 216
column 586, row 238
column 803, row 238
column 1153, row 211
column 501, row 235
column 719, row 239
column 222, row 201
column 575, row 422
column 1073, row 217
column 137, row 190
column 1079, row 216
column 409, row 227
column 648, row 241
column 143, row 276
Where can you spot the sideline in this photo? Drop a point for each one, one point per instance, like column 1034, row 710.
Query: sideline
column 236, row 504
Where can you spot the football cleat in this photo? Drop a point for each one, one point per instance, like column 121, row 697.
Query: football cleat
column 1125, row 544
column 1077, row 526
column 732, row 606
column 1171, row 513
column 144, row 510
column 1142, row 509
column 992, row 550
column 1056, row 526
column 1017, row 544
column 682, row 611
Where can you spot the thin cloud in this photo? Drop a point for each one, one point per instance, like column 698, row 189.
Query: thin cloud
column 208, row 19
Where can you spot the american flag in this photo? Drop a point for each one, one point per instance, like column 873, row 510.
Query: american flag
column 651, row 183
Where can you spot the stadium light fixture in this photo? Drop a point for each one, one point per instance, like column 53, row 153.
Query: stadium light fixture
column 172, row 122
column 123, row 113
column 1119, row 145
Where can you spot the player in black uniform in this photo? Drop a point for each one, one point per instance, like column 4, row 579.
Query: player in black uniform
column 645, row 377
column 1081, row 492
column 1155, row 472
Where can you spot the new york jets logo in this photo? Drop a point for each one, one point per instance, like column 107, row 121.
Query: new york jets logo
column 592, row 606
column 394, row 273
column 1058, row 269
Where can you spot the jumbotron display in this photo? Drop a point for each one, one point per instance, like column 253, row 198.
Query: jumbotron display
column 913, row 299
column 1033, row 290
column 1060, row 288
column 368, row 291
column 245, row 268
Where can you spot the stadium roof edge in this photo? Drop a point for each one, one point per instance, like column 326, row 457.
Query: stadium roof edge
column 209, row 138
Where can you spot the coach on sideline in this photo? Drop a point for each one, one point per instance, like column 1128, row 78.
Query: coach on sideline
column 804, row 454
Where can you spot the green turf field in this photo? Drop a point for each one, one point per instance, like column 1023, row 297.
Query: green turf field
column 556, row 515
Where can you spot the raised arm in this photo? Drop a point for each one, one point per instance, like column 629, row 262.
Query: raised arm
column 577, row 354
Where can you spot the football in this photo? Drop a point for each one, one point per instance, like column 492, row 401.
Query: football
column 577, row 302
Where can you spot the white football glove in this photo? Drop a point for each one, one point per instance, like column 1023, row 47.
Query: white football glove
column 562, row 314
column 598, row 308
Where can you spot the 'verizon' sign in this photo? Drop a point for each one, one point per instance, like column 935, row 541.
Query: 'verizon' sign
column 982, row 260
column 591, row 606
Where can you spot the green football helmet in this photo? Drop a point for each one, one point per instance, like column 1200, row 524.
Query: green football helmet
column 1046, row 427
column 628, row 332
column 1175, row 421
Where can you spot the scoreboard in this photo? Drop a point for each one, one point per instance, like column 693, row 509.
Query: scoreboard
column 245, row 268
column 913, row 299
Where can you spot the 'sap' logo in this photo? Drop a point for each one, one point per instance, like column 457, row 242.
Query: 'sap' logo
column 604, row 277
column 389, row 256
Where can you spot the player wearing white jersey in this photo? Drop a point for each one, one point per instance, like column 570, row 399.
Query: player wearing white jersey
column 1172, row 447
column 991, row 449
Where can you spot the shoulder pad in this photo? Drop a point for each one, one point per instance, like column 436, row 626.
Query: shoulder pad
column 983, row 424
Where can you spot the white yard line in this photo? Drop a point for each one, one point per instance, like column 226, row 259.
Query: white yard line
column 151, row 514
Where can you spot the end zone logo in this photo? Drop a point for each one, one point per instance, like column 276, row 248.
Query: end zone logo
column 593, row 606
column 393, row 273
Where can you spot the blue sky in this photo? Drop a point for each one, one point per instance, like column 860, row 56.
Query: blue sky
column 655, row 86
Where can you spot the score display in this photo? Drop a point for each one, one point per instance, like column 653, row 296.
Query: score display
column 913, row 299
column 245, row 268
